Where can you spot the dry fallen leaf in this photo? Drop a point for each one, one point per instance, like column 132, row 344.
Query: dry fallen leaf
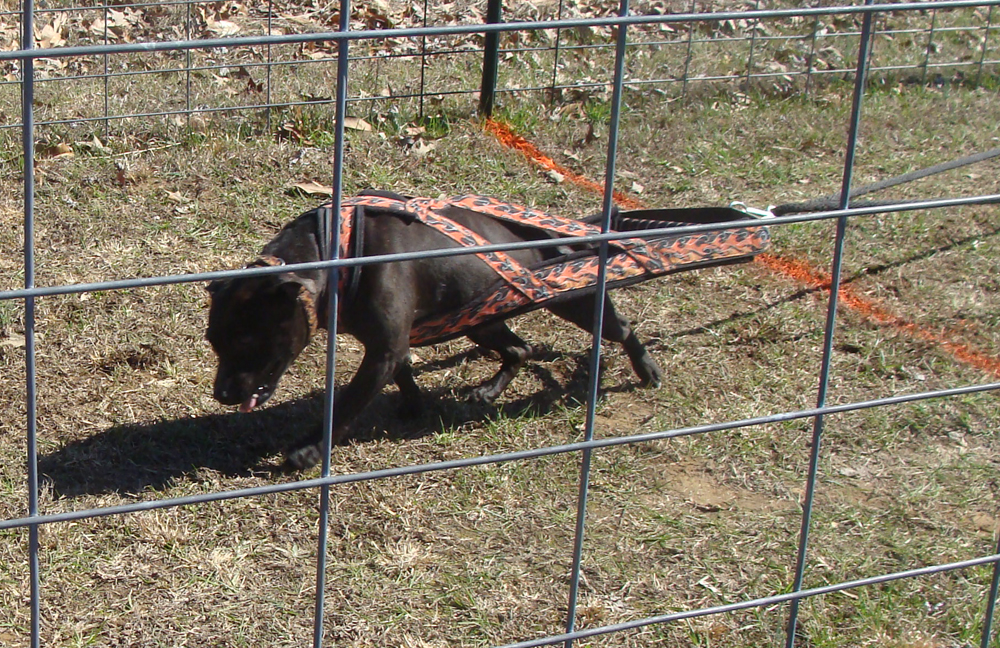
column 421, row 148
column 51, row 35
column 252, row 85
column 123, row 172
column 95, row 145
column 60, row 150
column 358, row 124
column 289, row 130
column 13, row 340
column 313, row 188
column 115, row 26
column 223, row 28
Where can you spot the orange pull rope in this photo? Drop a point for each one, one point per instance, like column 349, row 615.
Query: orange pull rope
column 795, row 269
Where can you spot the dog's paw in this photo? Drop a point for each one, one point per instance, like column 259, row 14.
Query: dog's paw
column 653, row 380
column 483, row 395
column 303, row 458
column 650, row 374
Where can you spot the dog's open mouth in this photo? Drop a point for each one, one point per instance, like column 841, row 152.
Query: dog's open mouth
column 249, row 404
column 258, row 398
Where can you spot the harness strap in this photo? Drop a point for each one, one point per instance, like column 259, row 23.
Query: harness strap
column 356, row 249
column 352, row 241
column 425, row 210
column 636, row 248
column 519, row 288
column 512, row 272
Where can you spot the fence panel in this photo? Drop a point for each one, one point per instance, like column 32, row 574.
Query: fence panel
column 147, row 135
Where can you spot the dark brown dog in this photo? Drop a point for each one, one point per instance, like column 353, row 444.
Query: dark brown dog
column 259, row 325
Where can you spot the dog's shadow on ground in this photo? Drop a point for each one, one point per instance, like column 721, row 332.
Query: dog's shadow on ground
column 130, row 459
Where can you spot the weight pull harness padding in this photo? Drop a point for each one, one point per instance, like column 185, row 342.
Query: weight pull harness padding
column 520, row 289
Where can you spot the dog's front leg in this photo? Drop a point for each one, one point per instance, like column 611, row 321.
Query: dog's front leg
column 377, row 368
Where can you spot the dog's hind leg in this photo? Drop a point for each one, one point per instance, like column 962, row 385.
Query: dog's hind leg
column 513, row 352
column 580, row 311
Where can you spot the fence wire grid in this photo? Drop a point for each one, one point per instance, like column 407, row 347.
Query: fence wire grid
column 178, row 63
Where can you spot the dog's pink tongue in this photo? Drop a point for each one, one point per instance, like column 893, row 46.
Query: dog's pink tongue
column 249, row 404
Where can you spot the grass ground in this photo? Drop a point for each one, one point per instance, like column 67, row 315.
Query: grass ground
column 481, row 556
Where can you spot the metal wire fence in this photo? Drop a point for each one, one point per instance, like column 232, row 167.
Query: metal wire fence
column 195, row 50
column 146, row 60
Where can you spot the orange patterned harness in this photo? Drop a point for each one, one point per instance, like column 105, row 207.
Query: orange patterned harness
column 519, row 288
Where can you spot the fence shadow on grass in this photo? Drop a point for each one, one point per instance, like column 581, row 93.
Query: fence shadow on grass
column 872, row 270
column 133, row 458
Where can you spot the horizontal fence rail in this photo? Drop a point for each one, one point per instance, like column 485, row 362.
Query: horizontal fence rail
column 199, row 277
column 535, row 453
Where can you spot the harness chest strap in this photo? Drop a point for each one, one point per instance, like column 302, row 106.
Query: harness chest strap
column 425, row 210
column 512, row 272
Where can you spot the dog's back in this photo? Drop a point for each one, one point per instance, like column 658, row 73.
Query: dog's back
column 384, row 303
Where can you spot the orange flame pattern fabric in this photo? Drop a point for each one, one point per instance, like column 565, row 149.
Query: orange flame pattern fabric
column 519, row 289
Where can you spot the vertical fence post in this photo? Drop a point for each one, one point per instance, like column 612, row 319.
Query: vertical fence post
column 491, row 60
column 107, row 78
column 31, row 397
column 753, row 47
column 690, row 52
column 930, row 46
column 991, row 602
column 607, row 205
column 831, row 322
column 557, row 50
column 986, row 44
column 811, row 60
column 330, row 228
column 423, row 63
column 267, row 72
column 188, row 64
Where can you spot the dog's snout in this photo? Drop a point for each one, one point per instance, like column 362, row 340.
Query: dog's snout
column 224, row 393
column 221, row 394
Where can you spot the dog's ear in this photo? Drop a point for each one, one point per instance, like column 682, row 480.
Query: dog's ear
column 289, row 288
column 292, row 284
column 303, row 292
column 213, row 286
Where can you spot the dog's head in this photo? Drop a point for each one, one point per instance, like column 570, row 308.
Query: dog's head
column 257, row 327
